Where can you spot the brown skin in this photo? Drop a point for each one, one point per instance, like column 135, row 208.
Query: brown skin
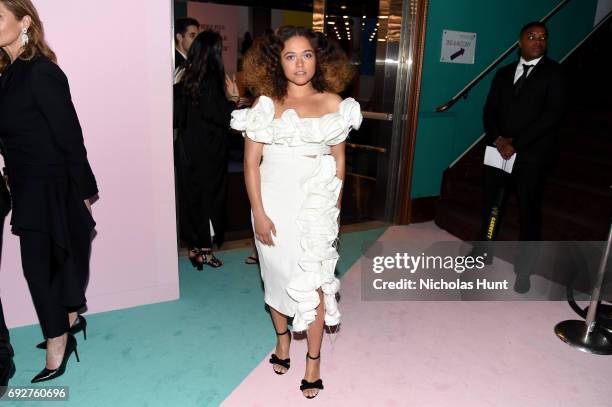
column 533, row 44
column 298, row 61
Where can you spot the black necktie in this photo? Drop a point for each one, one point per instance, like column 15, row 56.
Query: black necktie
column 518, row 85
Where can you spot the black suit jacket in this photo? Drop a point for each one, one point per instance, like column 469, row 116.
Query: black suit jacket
column 46, row 160
column 179, row 60
column 530, row 118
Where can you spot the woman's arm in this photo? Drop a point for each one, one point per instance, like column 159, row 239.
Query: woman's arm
column 338, row 152
column 264, row 228
column 52, row 96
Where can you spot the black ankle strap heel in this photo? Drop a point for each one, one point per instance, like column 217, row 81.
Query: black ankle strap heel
column 209, row 258
column 275, row 360
column 317, row 384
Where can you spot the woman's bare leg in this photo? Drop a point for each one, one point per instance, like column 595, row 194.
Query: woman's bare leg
column 282, row 341
column 315, row 337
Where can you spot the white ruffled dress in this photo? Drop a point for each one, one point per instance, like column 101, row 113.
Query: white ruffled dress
column 299, row 195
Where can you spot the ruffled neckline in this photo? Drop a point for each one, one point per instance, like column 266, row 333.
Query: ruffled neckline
column 259, row 124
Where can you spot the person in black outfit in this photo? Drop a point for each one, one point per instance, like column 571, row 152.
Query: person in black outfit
column 185, row 31
column 7, row 366
column 50, row 179
column 523, row 109
column 202, row 116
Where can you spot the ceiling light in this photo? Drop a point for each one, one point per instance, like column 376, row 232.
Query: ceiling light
column 343, row 7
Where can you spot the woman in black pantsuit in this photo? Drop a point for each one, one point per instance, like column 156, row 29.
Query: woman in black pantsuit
column 202, row 115
column 49, row 177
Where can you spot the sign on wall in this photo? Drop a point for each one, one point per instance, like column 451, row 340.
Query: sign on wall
column 458, row 47
column 224, row 20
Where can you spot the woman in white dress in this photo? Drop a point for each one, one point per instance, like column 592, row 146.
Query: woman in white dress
column 294, row 167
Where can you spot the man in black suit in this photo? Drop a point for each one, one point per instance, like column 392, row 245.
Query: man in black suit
column 523, row 110
column 185, row 31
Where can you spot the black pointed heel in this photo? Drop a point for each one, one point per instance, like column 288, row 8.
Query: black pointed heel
column 275, row 360
column 50, row 374
column 199, row 265
column 317, row 384
column 80, row 324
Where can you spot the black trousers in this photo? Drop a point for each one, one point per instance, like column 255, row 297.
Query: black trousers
column 56, row 281
column 527, row 181
column 4, row 333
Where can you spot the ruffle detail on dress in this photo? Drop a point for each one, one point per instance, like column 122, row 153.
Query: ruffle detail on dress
column 259, row 124
column 255, row 122
column 318, row 226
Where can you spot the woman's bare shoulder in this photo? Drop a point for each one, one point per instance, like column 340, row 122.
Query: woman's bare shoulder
column 331, row 101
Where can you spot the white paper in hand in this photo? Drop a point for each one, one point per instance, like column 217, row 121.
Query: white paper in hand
column 493, row 158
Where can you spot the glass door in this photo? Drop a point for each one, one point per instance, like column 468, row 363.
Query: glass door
column 372, row 34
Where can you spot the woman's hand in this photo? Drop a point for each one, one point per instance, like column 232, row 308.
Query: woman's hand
column 264, row 229
column 232, row 88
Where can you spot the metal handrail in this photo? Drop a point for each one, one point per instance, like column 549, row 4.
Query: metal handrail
column 464, row 92
column 377, row 116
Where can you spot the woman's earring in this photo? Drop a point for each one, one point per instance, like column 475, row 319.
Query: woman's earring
column 24, row 36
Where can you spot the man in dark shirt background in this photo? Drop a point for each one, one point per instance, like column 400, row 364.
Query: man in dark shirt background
column 185, row 31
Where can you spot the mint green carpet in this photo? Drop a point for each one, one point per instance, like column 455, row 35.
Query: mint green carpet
column 189, row 352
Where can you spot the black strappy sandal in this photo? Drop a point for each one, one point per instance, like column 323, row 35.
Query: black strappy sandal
column 194, row 260
column 275, row 360
column 212, row 261
column 317, row 384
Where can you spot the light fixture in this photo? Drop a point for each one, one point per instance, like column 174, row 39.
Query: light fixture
column 364, row 16
column 383, row 17
column 343, row 7
column 344, row 16
column 331, row 22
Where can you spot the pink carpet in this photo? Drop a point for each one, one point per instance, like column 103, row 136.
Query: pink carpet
column 439, row 354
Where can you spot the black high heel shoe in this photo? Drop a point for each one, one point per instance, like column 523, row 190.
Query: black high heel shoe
column 80, row 324
column 317, row 384
column 209, row 258
column 275, row 360
column 50, row 374
column 199, row 265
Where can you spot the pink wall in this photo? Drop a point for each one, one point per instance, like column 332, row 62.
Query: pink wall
column 224, row 20
column 118, row 58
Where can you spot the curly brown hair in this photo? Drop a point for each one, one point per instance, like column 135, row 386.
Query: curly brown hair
column 263, row 73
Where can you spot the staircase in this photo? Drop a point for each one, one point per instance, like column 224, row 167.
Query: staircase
column 578, row 196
